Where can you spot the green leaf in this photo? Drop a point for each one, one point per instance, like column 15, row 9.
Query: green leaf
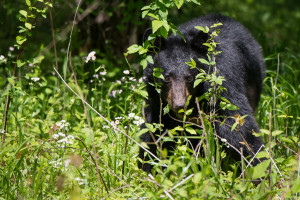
column 203, row 61
column 150, row 127
column 143, row 93
column 133, row 49
column 197, row 177
column 179, row 3
column 166, row 109
column 156, row 24
column 20, row 63
column 11, row 80
column 178, row 128
column 197, row 82
column 277, row 132
column 28, row 25
column 164, row 32
column 201, row 28
column 20, row 39
column 142, row 131
column 196, row 2
column 23, row 12
column 28, row 2
column 260, row 170
column 233, row 126
column 191, row 130
column 143, row 63
column 216, row 25
column 264, row 131
column 284, row 139
column 144, row 13
column 150, row 59
column 192, row 64
column 153, row 16
column 188, row 112
column 157, row 72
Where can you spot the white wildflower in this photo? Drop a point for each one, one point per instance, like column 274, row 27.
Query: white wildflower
column 126, row 72
column 35, row 79
column 61, row 134
column 91, row 56
column 113, row 94
column 136, row 117
column 103, row 73
column 105, row 127
column 11, row 48
column 2, row 131
column 132, row 79
column 96, row 76
column 55, row 136
column 71, row 137
column 119, row 82
column 2, row 59
column 131, row 115
column 67, row 162
column 223, row 140
column 141, row 121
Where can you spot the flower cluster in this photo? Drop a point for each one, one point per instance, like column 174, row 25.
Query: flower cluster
column 55, row 163
column 137, row 120
column 113, row 93
column 62, row 124
column 91, row 56
column 2, row 59
column 63, row 139
column 80, row 181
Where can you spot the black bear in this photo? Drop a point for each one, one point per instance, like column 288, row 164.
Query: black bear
column 240, row 63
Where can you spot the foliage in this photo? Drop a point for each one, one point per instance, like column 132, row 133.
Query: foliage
column 54, row 146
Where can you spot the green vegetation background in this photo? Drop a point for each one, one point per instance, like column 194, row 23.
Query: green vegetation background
column 33, row 166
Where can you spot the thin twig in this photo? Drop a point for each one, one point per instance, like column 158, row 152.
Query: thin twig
column 298, row 174
column 242, row 162
column 165, row 191
column 181, row 182
column 272, row 160
column 274, row 91
column 54, row 42
column 270, row 153
column 94, row 161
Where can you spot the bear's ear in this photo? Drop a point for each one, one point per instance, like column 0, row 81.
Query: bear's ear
column 198, row 40
column 158, row 41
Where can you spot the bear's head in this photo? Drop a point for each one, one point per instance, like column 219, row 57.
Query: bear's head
column 171, row 56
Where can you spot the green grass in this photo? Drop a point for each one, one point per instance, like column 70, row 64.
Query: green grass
column 56, row 147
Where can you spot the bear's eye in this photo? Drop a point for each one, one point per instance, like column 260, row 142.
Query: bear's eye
column 168, row 79
column 189, row 79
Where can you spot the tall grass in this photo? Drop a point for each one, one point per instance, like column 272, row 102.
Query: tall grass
column 55, row 147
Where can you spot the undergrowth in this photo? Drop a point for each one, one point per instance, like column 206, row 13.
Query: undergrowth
column 60, row 144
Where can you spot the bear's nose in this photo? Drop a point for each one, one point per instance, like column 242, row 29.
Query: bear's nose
column 179, row 106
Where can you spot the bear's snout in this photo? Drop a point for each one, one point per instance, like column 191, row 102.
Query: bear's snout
column 177, row 96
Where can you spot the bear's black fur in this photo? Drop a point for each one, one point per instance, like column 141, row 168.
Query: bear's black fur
column 241, row 63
